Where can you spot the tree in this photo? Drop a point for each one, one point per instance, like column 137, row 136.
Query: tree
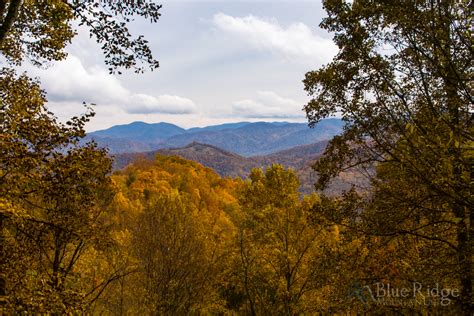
column 173, row 217
column 43, row 180
column 39, row 30
column 284, row 255
column 51, row 194
column 177, row 267
column 402, row 81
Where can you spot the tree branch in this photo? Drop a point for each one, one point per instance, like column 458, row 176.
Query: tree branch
column 12, row 15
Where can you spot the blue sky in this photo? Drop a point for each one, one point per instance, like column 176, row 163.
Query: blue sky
column 220, row 61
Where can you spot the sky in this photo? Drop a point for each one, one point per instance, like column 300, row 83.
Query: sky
column 220, row 61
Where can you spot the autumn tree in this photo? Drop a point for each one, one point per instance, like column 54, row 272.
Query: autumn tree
column 43, row 178
column 402, row 82
column 283, row 254
column 172, row 217
column 51, row 194
column 173, row 257
column 40, row 30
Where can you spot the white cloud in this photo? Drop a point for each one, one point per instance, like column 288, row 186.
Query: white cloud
column 268, row 104
column 70, row 81
column 295, row 42
column 171, row 104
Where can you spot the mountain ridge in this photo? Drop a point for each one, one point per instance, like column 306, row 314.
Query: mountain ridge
column 229, row 164
column 244, row 138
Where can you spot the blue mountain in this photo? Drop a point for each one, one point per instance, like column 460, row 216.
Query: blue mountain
column 243, row 138
column 140, row 131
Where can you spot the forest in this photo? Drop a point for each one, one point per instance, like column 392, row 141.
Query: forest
column 168, row 236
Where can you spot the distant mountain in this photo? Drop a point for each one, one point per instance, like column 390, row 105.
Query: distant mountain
column 243, row 138
column 120, row 145
column 141, row 131
column 229, row 164
column 260, row 138
column 220, row 127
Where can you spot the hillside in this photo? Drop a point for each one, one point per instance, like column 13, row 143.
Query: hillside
column 244, row 138
column 295, row 157
column 228, row 164
column 223, row 162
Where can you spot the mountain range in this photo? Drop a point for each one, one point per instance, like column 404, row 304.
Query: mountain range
column 232, row 149
column 243, row 138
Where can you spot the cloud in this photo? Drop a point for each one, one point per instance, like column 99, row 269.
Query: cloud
column 268, row 104
column 70, row 81
column 295, row 42
column 171, row 104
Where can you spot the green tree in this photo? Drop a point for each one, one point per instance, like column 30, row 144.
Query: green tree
column 402, row 81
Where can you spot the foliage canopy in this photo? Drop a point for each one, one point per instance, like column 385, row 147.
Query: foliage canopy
column 402, row 81
column 40, row 30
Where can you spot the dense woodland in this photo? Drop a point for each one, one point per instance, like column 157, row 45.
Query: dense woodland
column 169, row 236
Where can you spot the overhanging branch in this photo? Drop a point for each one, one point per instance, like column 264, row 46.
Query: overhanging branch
column 12, row 15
